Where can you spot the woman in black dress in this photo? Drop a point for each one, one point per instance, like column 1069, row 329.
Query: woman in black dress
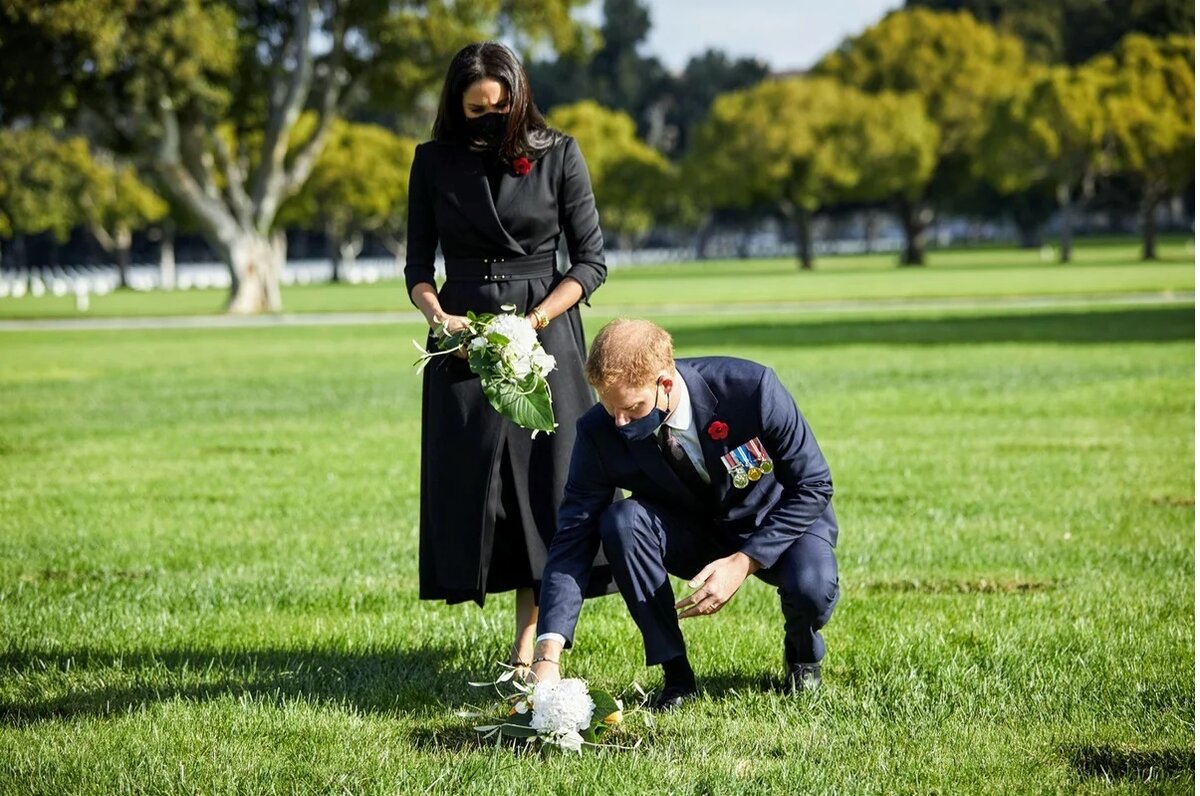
column 498, row 189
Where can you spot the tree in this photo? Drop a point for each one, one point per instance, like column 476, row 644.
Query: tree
column 705, row 77
column 114, row 203
column 1073, row 31
column 1051, row 130
column 631, row 181
column 1150, row 110
column 805, row 143
column 359, row 185
column 957, row 67
column 616, row 76
column 37, row 185
column 207, row 95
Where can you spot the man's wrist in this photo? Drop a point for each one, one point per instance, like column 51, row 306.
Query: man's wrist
column 751, row 565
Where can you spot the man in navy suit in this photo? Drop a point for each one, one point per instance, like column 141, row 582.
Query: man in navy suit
column 726, row 481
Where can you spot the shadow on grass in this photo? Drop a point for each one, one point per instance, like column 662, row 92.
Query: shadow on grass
column 1088, row 327
column 1110, row 762
column 372, row 682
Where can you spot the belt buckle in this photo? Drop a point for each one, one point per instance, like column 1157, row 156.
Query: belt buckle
column 491, row 276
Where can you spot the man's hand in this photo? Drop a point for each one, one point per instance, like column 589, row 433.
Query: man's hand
column 547, row 669
column 717, row 583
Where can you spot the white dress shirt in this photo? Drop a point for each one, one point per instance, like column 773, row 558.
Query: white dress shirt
column 683, row 425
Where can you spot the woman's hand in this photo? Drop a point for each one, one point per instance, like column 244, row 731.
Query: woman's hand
column 453, row 323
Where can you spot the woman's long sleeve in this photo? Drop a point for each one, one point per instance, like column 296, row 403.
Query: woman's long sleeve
column 422, row 227
column 581, row 222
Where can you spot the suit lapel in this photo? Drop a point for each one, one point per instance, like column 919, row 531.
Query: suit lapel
column 475, row 199
column 704, row 411
column 510, row 185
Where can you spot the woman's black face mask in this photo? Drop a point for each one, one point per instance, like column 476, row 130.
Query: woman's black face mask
column 488, row 128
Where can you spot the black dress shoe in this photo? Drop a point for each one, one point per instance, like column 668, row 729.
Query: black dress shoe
column 803, row 677
column 673, row 697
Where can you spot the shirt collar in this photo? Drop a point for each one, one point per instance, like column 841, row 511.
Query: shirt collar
column 681, row 416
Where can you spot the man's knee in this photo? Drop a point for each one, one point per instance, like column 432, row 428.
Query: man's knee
column 810, row 584
column 622, row 522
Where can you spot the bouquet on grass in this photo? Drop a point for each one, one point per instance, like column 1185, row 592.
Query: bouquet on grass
column 566, row 714
column 504, row 351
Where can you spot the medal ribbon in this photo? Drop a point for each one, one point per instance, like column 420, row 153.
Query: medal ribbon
column 743, row 456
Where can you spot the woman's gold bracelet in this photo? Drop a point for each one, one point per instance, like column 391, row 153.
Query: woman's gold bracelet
column 543, row 320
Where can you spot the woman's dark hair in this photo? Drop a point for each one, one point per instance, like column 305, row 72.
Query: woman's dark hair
column 527, row 134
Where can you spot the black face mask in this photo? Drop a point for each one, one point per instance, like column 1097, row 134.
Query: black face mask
column 648, row 425
column 488, row 128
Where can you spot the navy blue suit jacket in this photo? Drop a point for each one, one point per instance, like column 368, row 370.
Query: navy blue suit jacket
column 761, row 520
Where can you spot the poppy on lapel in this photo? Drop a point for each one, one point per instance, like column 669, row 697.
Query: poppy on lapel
column 718, row 430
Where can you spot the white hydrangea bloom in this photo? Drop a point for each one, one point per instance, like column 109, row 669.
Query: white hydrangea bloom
column 562, row 707
column 520, row 334
column 519, row 360
column 542, row 362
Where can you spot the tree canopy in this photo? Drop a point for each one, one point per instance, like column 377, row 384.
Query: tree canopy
column 1073, row 31
column 207, row 95
column 630, row 179
column 806, row 143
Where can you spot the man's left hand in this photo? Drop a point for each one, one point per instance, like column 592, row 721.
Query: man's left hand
column 717, row 583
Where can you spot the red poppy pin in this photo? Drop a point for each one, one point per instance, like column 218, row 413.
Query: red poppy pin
column 522, row 166
column 718, row 430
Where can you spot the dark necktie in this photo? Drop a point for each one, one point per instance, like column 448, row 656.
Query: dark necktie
column 680, row 464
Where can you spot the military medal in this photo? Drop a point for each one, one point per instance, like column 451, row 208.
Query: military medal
column 752, row 471
column 740, row 479
column 760, row 453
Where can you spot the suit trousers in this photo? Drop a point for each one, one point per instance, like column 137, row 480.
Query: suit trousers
column 644, row 542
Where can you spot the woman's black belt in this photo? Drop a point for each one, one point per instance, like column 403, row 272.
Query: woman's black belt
column 501, row 269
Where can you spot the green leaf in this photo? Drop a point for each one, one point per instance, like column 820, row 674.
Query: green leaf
column 496, row 338
column 521, row 719
column 531, row 410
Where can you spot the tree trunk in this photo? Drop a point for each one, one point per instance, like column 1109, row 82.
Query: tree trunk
column 1149, row 231
column 123, row 240
column 804, row 248
column 704, row 236
column 1066, row 220
column 350, row 247
column 915, row 218
column 166, row 254
column 333, row 242
column 18, row 252
column 255, row 265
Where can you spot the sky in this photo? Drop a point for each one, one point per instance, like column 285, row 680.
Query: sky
column 787, row 34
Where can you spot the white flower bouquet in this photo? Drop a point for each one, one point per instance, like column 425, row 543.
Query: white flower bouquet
column 504, row 351
column 566, row 714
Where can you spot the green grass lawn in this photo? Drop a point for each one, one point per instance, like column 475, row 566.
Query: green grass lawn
column 208, row 569
column 1101, row 267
